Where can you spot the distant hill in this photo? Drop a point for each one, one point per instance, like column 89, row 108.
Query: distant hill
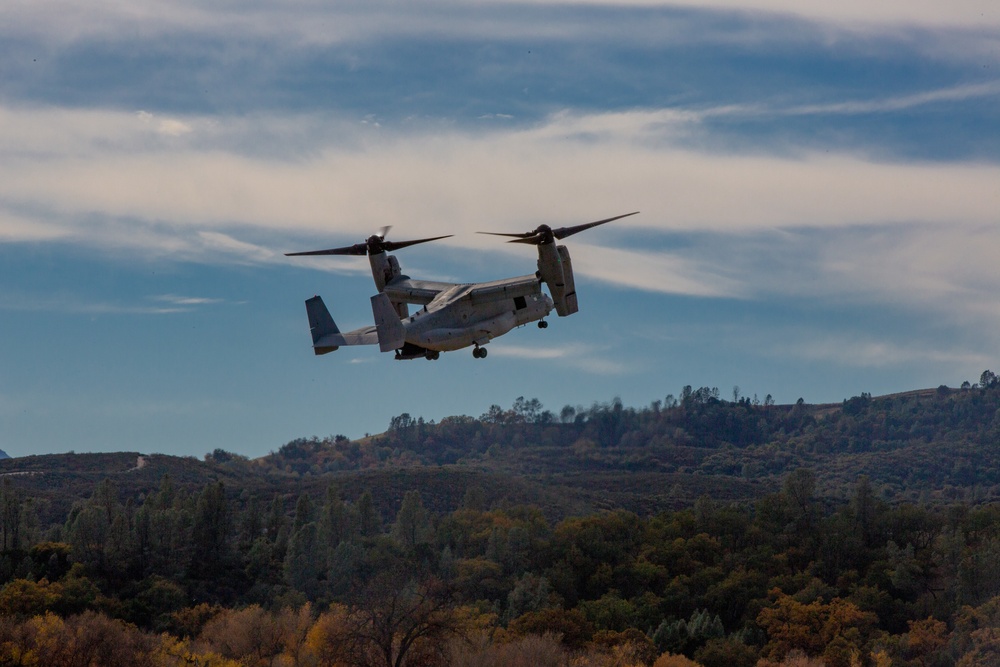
column 4, row 455
column 933, row 445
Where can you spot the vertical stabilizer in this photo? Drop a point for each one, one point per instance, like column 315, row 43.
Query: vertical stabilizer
column 391, row 334
column 321, row 324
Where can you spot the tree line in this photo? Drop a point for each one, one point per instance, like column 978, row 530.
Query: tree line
column 215, row 572
column 934, row 445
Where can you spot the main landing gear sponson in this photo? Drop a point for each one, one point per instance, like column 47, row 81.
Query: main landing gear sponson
column 479, row 352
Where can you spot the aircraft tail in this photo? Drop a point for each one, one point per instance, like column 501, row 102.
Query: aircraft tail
column 321, row 325
column 391, row 334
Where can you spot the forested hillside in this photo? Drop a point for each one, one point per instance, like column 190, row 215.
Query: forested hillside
column 731, row 532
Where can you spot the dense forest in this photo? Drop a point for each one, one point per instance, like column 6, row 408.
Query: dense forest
column 698, row 530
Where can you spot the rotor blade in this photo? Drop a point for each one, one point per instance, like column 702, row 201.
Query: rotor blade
column 396, row 245
column 373, row 245
column 383, row 231
column 523, row 235
column 534, row 239
column 563, row 232
column 356, row 249
column 543, row 234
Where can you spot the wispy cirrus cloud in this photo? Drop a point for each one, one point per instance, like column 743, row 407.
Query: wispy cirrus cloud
column 186, row 300
column 81, row 304
column 216, row 243
column 977, row 13
column 579, row 356
column 77, row 305
column 868, row 352
column 888, row 104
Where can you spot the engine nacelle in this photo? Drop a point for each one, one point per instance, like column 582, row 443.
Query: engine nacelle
column 385, row 269
column 569, row 304
column 556, row 270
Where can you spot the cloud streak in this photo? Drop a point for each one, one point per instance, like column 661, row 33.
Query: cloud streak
column 862, row 352
column 959, row 93
column 577, row 356
column 186, row 300
column 81, row 306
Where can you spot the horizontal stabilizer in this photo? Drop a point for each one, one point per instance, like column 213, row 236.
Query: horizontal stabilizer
column 326, row 336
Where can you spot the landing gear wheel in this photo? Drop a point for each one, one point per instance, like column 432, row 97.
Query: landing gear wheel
column 432, row 355
column 479, row 353
column 542, row 324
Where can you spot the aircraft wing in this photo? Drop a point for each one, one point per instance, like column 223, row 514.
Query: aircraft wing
column 423, row 292
column 420, row 292
column 497, row 290
column 508, row 288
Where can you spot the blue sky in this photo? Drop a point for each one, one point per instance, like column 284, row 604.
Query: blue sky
column 819, row 187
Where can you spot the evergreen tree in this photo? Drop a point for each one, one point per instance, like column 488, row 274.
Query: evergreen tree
column 210, row 532
column 369, row 523
column 413, row 524
column 302, row 567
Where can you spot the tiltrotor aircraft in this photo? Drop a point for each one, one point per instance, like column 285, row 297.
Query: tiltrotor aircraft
column 452, row 316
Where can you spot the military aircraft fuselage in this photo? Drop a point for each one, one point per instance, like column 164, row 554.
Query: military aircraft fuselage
column 454, row 321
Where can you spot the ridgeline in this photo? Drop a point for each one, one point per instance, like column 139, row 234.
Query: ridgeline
column 928, row 446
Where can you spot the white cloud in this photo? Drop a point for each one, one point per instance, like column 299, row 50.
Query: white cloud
column 186, row 300
column 940, row 269
column 656, row 272
column 18, row 228
column 864, row 352
column 969, row 13
column 75, row 305
column 107, row 180
column 218, row 243
column 574, row 355
column 573, row 168
column 170, row 127
column 308, row 21
column 958, row 93
column 952, row 94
